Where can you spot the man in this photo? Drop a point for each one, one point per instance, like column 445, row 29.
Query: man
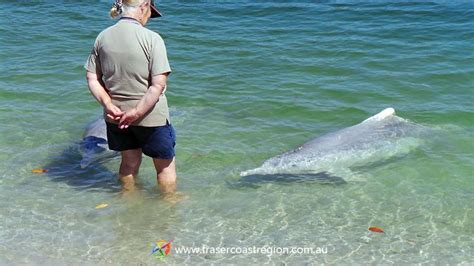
column 127, row 72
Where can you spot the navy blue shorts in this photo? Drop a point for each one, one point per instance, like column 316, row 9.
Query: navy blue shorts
column 156, row 142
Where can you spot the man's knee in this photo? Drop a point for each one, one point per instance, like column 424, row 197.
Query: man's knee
column 129, row 168
column 165, row 168
column 130, row 163
column 161, row 164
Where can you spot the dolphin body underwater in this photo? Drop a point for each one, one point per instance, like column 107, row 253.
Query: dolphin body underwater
column 94, row 146
column 329, row 158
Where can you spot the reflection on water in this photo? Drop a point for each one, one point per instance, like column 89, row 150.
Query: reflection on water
column 244, row 88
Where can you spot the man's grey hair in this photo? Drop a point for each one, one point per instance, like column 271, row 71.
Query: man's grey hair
column 130, row 9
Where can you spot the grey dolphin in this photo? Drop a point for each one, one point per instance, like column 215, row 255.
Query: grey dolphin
column 94, row 146
column 377, row 138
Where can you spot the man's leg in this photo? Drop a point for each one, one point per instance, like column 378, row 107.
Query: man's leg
column 166, row 174
column 131, row 160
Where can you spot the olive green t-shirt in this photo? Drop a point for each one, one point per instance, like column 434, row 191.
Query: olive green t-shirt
column 127, row 55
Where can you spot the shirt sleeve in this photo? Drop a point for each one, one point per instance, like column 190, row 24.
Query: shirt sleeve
column 159, row 59
column 93, row 61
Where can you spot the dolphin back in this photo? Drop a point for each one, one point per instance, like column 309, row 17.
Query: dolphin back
column 94, row 145
column 96, row 129
column 380, row 136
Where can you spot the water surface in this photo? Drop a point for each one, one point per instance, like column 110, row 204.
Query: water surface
column 250, row 80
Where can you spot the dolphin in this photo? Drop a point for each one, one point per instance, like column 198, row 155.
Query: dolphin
column 378, row 138
column 94, row 146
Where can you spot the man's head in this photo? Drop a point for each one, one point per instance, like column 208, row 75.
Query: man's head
column 142, row 10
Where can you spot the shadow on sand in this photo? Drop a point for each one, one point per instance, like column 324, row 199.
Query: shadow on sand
column 255, row 181
column 66, row 168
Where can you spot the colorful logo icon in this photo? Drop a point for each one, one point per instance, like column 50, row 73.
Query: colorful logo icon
column 161, row 248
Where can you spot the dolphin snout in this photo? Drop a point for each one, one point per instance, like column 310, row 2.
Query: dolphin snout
column 85, row 163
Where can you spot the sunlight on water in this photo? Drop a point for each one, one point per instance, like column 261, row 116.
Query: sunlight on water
column 251, row 80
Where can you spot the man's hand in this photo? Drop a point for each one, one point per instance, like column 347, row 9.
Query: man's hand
column 128, row 118
column 100, row 93
column 113, row 112
column 148, row 101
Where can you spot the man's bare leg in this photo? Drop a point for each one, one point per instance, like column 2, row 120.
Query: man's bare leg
column 166, row 175
column 131, row 160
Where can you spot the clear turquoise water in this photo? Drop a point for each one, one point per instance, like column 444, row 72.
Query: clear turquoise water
column 250, row 81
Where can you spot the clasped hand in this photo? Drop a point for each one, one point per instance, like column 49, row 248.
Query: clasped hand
column 125, row 118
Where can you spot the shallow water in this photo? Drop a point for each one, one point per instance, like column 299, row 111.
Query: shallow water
column 250, row 81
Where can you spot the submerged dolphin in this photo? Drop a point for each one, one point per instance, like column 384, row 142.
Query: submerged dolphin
column 94, row 146
column 377, row 138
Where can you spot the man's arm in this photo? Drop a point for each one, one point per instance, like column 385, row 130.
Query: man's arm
column 100, row 94
column 151, row 97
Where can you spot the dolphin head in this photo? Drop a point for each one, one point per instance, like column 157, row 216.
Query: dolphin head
column 91, row 149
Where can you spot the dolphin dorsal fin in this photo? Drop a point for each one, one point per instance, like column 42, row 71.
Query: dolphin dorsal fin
column 382, row 115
